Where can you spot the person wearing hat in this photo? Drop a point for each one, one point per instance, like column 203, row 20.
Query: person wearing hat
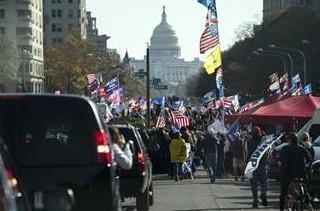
column 178, row 153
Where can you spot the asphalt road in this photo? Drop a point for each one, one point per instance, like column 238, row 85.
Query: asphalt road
column 200, row 195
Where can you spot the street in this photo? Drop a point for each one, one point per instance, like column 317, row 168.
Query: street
column 200, row 195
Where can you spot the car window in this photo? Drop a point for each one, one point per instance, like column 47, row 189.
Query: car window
column 129, row 134
column 317, row 142
column 47, row 135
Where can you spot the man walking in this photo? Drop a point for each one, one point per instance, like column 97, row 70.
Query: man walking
column 260, row 174
column 209, row 146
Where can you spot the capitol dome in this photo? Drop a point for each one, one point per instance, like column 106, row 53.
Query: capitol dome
column 164, row 42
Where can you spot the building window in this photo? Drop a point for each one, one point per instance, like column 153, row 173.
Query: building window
column 2, row 13
column 70, row 13
column 54, row 13
column 70, row 26
column 54, row 27
column 59, row 13
column 70, row 1
column 2, row 30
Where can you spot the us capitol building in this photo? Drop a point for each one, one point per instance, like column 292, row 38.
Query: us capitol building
column 165, row 61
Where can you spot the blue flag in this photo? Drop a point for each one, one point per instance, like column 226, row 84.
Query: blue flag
column 307, row 89
column 296, row 79
column 112, row 85
column 211, row 5
column 232, row 130
column 159, row 101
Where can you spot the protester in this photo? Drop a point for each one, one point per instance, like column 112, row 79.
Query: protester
column 238, row 149
column 122, row 152
column 292, row 162
column 259, row 176
column 178, row 152
column 220, row 148
column 209, row 145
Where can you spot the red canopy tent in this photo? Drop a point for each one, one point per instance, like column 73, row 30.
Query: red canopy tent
column 245, row 117
column 287, row 111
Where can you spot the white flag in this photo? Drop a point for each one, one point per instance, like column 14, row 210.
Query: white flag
column 253, row 163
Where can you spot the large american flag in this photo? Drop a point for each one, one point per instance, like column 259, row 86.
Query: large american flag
column 210, row 37
column 179, row 119
column 207, row 41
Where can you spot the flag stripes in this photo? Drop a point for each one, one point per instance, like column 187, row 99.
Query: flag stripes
column 208, row 41
column 161, row 122
column 179, row 119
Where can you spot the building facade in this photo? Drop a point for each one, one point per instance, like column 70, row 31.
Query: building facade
column 22, row 22
column 273, row 8
column 100, row 41
column 165, row 61
column 62, row 16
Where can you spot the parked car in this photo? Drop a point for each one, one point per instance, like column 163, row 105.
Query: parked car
column 315, row 179
column 12, row 194
column 59, row 142
column 136, row 182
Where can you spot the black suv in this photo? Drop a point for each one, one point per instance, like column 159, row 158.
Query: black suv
column 60, row 141
column 136, row 182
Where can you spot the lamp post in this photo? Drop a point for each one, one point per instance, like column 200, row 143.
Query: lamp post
column 260, row 50
column 24, row 52
column 272, row 55
column 297, row 51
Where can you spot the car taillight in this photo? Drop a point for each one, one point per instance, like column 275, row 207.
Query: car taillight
column 103, row 148
column 12, row 179
column 141, row 162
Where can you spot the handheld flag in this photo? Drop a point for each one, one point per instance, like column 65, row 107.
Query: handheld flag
column 219, row 78
column 307, row 89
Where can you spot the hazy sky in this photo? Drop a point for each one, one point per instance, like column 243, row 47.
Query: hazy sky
column 130, row 22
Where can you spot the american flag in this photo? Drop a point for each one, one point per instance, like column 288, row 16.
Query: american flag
column 209, row 38
column 161, row 122
column 227, row 103
column 179, row 119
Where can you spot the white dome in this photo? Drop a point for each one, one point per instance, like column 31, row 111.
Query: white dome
column 164, row 42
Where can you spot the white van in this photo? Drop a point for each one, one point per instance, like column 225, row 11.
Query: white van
column 313, row 128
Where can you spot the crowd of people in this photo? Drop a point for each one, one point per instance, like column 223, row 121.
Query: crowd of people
column 178, row 151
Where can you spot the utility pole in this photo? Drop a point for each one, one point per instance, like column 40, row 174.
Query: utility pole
column 148, row 88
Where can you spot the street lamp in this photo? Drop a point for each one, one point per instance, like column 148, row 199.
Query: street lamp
column 260, row 50
column 297, row 51
column 307, row 42
column 272, row 55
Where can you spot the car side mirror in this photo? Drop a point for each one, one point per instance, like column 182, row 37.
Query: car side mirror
column 54, row 199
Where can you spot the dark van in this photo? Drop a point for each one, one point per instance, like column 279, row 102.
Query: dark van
column 60, row 141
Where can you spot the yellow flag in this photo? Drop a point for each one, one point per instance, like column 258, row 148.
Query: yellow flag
column 213, row 60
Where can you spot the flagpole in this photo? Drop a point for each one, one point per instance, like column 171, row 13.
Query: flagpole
column 148, row 87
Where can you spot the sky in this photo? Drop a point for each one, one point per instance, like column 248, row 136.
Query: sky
column 130, row 23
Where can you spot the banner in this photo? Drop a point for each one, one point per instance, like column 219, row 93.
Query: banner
column 253, row 163
column 112, row 85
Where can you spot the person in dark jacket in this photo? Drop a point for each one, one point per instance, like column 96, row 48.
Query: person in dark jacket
column 260, row 174
column 209, row 146
column 220, row 163
column 293, row 159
